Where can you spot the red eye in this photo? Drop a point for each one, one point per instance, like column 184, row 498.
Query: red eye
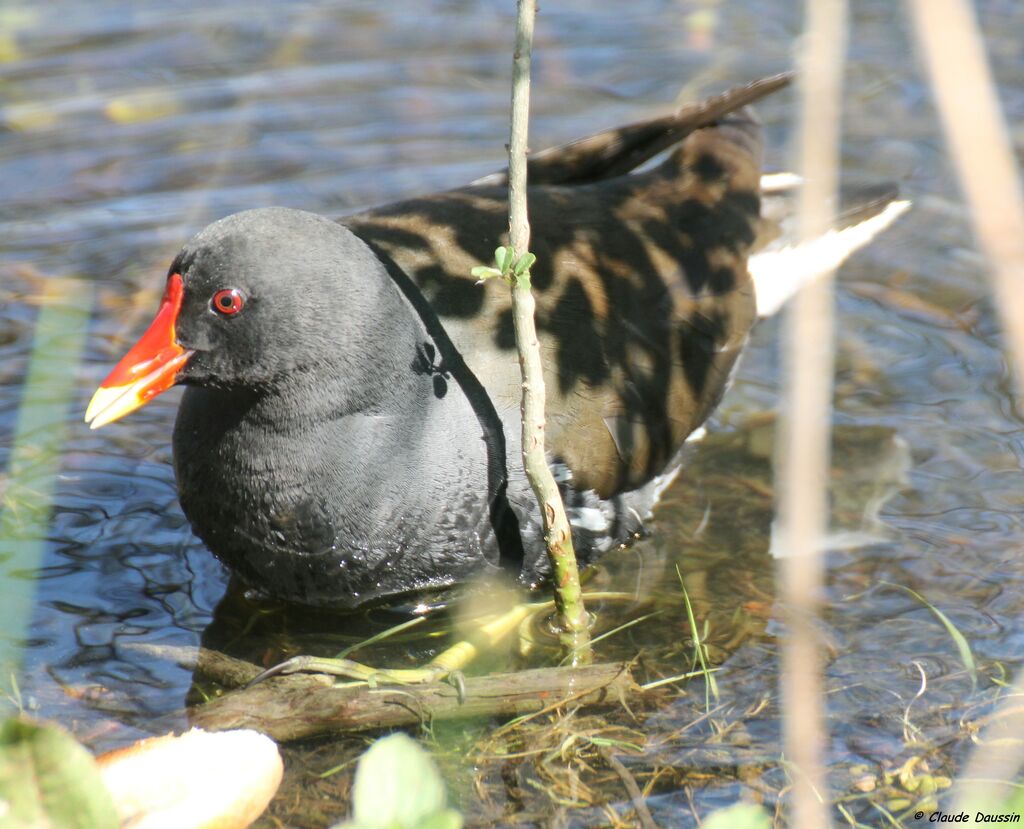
column 228, row 302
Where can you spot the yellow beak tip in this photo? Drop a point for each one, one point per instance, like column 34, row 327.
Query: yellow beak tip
column 110, row 404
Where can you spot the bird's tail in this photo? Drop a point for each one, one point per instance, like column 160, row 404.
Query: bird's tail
column 779, row 266
column 782, row 265
column 618, row 151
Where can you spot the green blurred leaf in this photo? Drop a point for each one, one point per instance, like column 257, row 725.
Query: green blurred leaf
column 397, row 786
column 1013, row 805
column 48, row 779
column 740, row 816
column 36, row 454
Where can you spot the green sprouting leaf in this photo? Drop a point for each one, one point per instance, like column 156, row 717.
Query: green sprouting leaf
column 700, row 648
column 483, row 272
column 504, row 256
column 524, row 264
column 397, row 786
column 48, row 779
column 739, row 816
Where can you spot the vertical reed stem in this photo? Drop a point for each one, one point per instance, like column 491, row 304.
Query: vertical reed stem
column 954, row 54
column 557, row 532
column 804, row 448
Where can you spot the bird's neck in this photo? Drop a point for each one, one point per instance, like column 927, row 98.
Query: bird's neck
column 383, row 406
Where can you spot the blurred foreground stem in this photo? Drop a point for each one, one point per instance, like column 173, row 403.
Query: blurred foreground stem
column 982, row 149
column 26, row 490
column 804, row 448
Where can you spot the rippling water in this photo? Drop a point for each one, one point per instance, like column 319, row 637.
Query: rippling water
column 125, row 127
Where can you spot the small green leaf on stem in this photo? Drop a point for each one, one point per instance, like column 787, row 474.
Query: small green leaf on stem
column 506, row 265
column 482, row 273
column 504, row 257
column 522, row 267
column 962, row 645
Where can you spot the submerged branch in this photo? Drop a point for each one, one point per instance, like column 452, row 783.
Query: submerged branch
column 297, row 707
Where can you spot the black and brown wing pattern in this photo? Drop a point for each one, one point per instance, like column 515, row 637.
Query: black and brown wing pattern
column 643, row 296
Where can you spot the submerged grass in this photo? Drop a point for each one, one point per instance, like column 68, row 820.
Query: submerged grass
column 380, row 637
column 700, row 650
column 962, row 645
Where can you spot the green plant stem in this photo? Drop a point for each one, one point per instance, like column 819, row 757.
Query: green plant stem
column 557, row 532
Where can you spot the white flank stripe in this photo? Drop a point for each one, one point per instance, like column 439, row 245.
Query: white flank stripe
column 779, row 182
column 779, row 274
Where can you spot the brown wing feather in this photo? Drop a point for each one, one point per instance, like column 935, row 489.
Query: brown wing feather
column 643, row 296
column 620, row 150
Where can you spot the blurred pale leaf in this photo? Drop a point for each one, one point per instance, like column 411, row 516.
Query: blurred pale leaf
column 397, row 786
column 48, row 779
column 740, row 816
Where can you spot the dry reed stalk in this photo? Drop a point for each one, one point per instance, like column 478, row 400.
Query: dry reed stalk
column 804, row 447
column 954, row 53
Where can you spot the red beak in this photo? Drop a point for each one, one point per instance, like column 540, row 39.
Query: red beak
column 149, row 368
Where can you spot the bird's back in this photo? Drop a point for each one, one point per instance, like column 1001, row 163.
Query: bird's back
column 643, row 297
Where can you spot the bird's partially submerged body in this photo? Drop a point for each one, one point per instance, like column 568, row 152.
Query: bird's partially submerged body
column 350, row 429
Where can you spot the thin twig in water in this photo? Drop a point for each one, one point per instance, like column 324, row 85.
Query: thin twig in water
column 657, row 683
column 609, row 633
column 643, row 814
column 557, row 531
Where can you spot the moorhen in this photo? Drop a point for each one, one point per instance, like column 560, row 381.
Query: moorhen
column 350, row 427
